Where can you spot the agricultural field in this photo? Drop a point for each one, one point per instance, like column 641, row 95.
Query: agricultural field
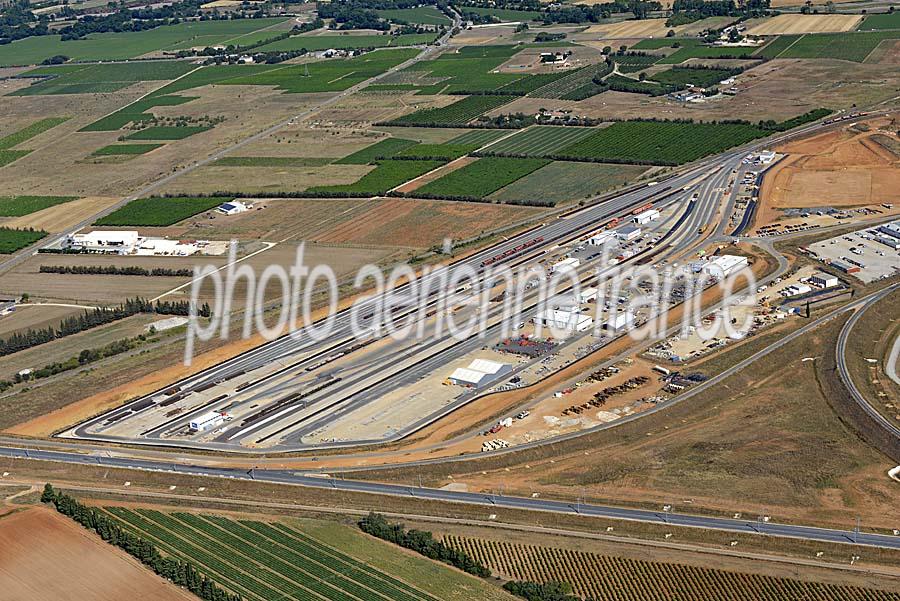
column 469, row 70
column 563, row 181
column 445, row 152
column 481, row 178
column 479, row 136
column 568, row 84
column 776, row 46
column 881, row 21
column 327, row 76
column 793, row 24
column 159, row 211
column 387, row 175
column 458, row 113
column 635, row 63
column 175, row 132
column 259, row 161
column 503, row 14
column 383, row 148
column 267, row 561
column 38, row 542
column 424, row 15
column 135, row 112
column 854, row 47
column 126, row 45
column 659, row 143
column 100, row 78
column 347, row 42
column 18, row 206
column 7, row 143
column 126, row 149
column 12, row 240
column 540, row 140
column 618, row 578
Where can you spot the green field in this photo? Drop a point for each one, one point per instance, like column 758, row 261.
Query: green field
column 478, row 179
column 458, row 113
column 424, row 15
column 272, row 162
column 12, row 240
column 387, row 175
column 126, row 45
column 846, row 46
column 776, row 46
column 881, row 21
column 503, row 14
column 134, row 112
column 562, row 181
column 17, row 206
column 109, row 77
column 347, row 42
column 468, row 70
column 633, row 64
column 126, row 149
column 479, row 136
column 382, row 148
column 573, row 80
column 26, row 133
column 658, row 143
column 445, row 152
column 529, row 84
column 160, row 211
column 301, row 560
column 329, row 75
column 173, row 132
column 8, row 155
column 540, row 140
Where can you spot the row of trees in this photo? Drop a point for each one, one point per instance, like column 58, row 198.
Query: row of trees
column 547, row 591
column 93, row 318
column 181, row 573
column 114, row 270
column 421, row 542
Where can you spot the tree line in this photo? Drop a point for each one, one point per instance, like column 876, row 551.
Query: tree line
column 177, row 571
column 422, row 542
column 93, row 318
column 114, row 270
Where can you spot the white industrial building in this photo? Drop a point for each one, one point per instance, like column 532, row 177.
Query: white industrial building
column 588, row 295
column 119, row 242
column 890, row 229
column 796, row 290
column 207, row 421
column 233, row 207
column 724, row 265
column 821, row 279
column 892, row 243
column 479, row 372
column 645, row 217
column 601, row 238
column 619, row 321
column 629, row 233
column 568, row 321
column 565, row 265
column 766, row 157
column 163, row 247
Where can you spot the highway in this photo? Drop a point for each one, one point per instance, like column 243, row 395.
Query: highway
column 494, row 502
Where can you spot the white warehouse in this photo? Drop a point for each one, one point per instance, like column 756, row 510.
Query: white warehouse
column 564, row 321
column 645, row 217
column 629, row 233
column 601, row 238
column 207, row 421
column 479, row 373
column 565, row 265
column 724, row 265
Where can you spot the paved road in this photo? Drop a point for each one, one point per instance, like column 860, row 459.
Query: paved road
column 737, row 526
column 844, row 370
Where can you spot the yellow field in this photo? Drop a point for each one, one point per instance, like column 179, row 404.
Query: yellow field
column 786, row 24
column 645, row 28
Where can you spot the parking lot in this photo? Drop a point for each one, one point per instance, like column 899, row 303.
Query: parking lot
column 861, row 250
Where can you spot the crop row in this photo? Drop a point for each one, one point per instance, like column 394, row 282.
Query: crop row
column 159, row 211
column 615, row 578
column 564, row 85
column 478, row 179
column 540, row 140
column 458, row 113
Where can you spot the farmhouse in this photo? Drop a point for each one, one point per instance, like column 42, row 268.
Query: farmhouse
column 233, row 207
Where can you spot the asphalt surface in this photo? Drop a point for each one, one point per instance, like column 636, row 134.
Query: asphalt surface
column 737, row 526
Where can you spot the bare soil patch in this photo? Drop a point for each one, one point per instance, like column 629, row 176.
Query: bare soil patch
column 791, row 23
column 48, row 557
